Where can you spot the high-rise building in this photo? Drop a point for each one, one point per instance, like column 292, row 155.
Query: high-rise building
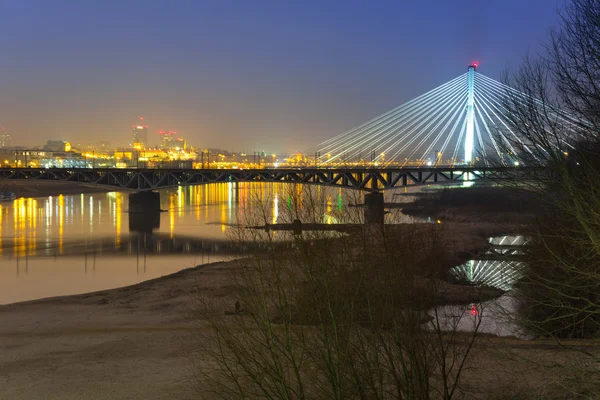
column 4, row 139
column 170, row 140
column 140, row 135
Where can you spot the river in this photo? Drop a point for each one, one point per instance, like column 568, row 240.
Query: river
column 41, row 238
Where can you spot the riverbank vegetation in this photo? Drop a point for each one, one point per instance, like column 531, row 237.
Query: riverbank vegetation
column 340, row 317
column 359, row 318
column 558, row 123
column 561, row 285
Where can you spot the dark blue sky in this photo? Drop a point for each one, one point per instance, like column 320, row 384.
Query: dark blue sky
column 243, row 75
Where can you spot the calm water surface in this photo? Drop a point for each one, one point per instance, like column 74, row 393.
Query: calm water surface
column 41, row 239
column 45, row 241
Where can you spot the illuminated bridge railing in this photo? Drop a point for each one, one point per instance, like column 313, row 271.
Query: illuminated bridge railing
column 369, row 179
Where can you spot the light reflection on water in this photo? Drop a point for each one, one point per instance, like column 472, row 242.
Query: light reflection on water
column 205, row 211
column 30, row 226
column 500, row 269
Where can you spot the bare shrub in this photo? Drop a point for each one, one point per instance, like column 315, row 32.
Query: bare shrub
column 335, row 316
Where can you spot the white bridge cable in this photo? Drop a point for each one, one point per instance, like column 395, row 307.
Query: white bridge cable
column 390, row 128
column 431, row 146
column 461, row 136
column 495, row 93
column 434, row 124
column 526, row 100
column 423, row 123
column 451, row 134
column 414, row 124
column 380, row 118
column 492, row 104
column 478, row 108
column 488, row 108
column 453, row 106
column 393, row 110
column 392, row 125
column 459, row 142
column 442, row 117
column 481, row 144
column 373, row 133
column 497, row 99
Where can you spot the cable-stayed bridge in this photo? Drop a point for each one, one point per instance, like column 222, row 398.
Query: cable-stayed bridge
column 371, row 179
column 457, row 132
column 464, row 122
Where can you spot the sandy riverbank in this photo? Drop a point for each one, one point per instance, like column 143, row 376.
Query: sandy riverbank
column 125, row 343
column 132, row 343
column 43, row 188
column 119, row 344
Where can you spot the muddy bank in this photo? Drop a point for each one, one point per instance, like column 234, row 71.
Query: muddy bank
column 487, row 203
column 43, row 188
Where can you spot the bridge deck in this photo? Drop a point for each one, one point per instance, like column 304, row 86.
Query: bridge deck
column 369, row 179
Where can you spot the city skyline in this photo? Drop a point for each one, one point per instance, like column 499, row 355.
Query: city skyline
column 273, row 77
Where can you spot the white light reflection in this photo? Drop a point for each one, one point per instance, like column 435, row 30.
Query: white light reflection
column 498, row 273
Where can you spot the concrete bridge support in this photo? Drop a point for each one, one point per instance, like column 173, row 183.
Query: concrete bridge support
column 374, row 208
column 142, row 202
column 144, row 212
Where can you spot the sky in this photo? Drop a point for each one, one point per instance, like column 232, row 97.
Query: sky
column 246, row 75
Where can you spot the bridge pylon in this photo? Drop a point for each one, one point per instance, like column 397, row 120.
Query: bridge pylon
column 470, row 128
column 465, row 122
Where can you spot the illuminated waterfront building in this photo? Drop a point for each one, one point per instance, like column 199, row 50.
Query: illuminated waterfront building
column 57, row 145
column 4, row 139
column 140, row 135
column 169, row 140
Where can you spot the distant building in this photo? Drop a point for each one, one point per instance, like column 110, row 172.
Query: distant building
column 140, row 135
column 41, row 158
column 4, row 139
column 57, row 145
column 103, row 145
column 170, row 141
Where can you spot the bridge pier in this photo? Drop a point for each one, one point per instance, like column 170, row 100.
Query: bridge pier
column 144, row 212
column 144, row 222
column 142, row 202
column 374, row 208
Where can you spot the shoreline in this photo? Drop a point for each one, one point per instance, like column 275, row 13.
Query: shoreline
column 138, row 341
column 44, row 188
column 117, row 343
